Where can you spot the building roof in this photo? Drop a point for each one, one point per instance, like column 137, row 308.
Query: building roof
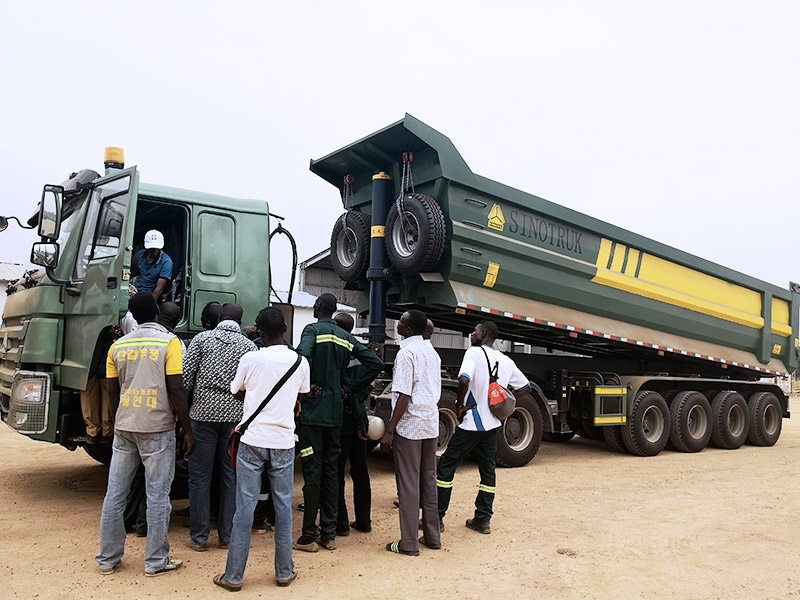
column 305, row 300
column 11, row 271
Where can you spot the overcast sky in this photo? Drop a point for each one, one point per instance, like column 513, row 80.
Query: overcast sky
column 677, row 120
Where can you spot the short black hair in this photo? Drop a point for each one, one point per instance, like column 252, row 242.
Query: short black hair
column 143, row 307
column 417, row 321
column 169, row 314
column 210, row 315
column 490, row 327
column 231, row 311
column 344, row 321
column 270, row 321
column 327, row 303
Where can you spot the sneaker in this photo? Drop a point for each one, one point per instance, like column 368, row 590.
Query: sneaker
column 109, row 570
column 192, row 545
column 259, row 530
column 286, row 582
column 312, row 547
column 479, row 525
column 172, row 565
column 327, row 544
column 224, row 545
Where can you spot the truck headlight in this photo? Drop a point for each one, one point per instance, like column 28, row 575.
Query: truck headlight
column 29, row 389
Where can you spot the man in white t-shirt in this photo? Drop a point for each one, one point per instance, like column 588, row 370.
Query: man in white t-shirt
column 478, row 428
column 268, row 443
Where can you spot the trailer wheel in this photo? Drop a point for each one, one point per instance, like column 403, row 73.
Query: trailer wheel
column 350, row 245
column 415, row 240
column 731, row 420
column 647, row 430
column 766, row 419
column 448, row 421
column 690, row 422
column 519, row 437
column 613, row 436
column 100, row 452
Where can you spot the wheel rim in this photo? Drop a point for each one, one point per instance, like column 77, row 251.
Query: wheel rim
column 405, row 238
column 518, row 430
column 447, row 426
column 771, row 419
column 653, row 423
column 346, row 247
column 737, row 421
column 697, row 422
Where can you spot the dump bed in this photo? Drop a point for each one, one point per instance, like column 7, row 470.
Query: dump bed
column 560, row 279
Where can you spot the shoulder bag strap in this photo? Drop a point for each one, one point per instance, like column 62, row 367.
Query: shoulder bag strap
column 493, row 372
column 241, row 429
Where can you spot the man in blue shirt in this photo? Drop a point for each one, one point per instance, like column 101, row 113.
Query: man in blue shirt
column 155, row 265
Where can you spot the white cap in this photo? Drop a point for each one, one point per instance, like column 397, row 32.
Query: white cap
column 153, row 239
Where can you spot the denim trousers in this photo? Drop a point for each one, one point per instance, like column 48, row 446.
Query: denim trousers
column 156, row 451
column 251, row 461
column 211, row 444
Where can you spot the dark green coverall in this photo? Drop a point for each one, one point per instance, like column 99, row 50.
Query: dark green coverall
column 329, row 349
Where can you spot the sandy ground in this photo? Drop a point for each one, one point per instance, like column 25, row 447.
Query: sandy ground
column 578, row 522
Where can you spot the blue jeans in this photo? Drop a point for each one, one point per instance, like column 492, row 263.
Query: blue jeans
column 157, row 452
column 250, row 462
column 211, row 443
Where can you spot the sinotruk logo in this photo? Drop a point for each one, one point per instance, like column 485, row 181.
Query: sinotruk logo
column 497, row 220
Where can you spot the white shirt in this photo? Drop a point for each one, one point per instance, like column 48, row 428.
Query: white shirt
column 257, row 374
column 418, row 373
column 475, row 368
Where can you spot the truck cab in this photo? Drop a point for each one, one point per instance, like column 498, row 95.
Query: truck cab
column 56, row 332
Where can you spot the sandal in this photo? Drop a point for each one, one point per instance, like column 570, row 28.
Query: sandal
column 395, row 547
column 231, row 587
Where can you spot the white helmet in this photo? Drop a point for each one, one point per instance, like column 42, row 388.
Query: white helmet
column 153, row 239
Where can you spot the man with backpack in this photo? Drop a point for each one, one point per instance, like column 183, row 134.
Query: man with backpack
column 477, row 430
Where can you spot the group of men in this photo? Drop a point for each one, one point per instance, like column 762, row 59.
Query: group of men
column 317, row 393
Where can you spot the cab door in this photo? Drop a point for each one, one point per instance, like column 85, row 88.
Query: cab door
column 97, row 295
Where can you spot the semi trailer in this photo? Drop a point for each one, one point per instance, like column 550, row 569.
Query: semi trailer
column 623, row 338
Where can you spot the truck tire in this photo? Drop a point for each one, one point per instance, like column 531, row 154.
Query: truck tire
column 100, row 452
column 766, row 419
column 350, row 245
column 520, row 435
column 415, row 241
column 647, row 430
column 690, row 421
column 613, row 436
column 731, row 420
column 448, row 421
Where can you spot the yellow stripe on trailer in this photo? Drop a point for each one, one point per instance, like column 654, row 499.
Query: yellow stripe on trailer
column 631, row 270
column 613, row 420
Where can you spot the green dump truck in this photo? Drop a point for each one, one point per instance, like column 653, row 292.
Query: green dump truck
column 57, row 323
column 623, row 338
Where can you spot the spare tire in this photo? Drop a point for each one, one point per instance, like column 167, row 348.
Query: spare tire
column 415, row 239
column 350, row 245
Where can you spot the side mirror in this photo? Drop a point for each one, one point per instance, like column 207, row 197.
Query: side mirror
column 45, row 254
column 50, row 212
